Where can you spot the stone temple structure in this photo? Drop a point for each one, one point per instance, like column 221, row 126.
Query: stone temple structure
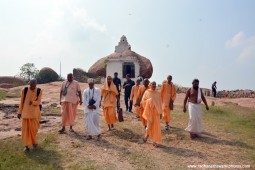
column 123, row 61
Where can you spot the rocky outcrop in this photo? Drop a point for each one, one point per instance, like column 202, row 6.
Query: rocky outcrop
column 47, row 75
column 236, row 94
column 9, row 82
column 80, row 75
column 223, row 93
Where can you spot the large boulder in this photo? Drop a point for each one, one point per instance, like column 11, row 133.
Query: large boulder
column 47, row 75
column 80, row 75
column 9, row 82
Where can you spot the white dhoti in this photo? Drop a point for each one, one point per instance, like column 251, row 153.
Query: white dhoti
column 195, row 118
column 92, row 120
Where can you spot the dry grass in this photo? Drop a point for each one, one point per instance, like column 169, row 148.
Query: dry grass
column 5, row 94
column 228, row 138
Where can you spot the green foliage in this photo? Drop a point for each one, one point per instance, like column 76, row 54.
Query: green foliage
column 2, row 95
column 44, row 157
column 28, row 71
column 51, row 111
column 5, row 94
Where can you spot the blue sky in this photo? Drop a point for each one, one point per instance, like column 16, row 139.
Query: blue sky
column 206, row 39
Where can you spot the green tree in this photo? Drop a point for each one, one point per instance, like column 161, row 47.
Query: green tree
column 28, row 71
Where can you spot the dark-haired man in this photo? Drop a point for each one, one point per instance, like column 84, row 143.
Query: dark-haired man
column 117, row 83
column 70, row 97
column 128, row 87
column 29, row 111
column 194, row 96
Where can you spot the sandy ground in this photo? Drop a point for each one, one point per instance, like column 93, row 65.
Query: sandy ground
column 10, row 125
column 122, row 148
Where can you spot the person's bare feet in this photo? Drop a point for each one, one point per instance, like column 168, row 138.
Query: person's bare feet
column 89, row 137
column 145, row 138
column 193, row 136
column 155, row 145
column 26, row 149
column 167, row 127
column 61, row 131
column 35, row 146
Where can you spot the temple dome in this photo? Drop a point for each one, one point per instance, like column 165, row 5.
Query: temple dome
column 122, row 50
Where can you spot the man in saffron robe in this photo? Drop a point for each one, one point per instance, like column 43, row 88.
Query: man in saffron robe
column 152, row 114
column 69, row 93
column 195, row 96
column 138, row 99
column 134, row 94
column 109, row 93
column 29, row 111
column 168, row 93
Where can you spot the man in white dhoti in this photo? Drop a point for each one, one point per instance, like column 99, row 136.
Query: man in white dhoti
column 194, row 96
column 92, row 99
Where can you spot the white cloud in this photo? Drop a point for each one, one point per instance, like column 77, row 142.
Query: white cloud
column 246, row 45
column 67, row 21
column 80, row 16
column 248, row 51
column 235, row 41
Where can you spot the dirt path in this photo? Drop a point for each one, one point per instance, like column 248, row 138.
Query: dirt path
column 123, row 148
column 10, row 125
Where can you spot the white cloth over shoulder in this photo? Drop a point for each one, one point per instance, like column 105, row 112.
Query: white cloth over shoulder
column 195, row 118
column 92, row 117
column 199, row 98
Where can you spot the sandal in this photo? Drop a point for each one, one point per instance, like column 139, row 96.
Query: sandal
column 26, row 149
column 167, row 127
column 145, row 139
column 89, row 138
column 61, row 131
column 155, row 145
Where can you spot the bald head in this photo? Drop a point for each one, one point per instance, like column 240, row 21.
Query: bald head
column 153, row 85
column 70, row 77
column 169, row 79
column 138, row 82
column 146, row 82
column 32, row 83
column 109, row 80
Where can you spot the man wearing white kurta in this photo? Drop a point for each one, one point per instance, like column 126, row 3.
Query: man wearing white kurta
column 195, row 96
column 92, row 112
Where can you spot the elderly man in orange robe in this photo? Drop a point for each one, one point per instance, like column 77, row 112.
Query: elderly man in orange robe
column 69, row 101
column 109, row 93
column 133, row 95
column 152, row 114
column 168, row 94
column 138, row 99
column 29, row 111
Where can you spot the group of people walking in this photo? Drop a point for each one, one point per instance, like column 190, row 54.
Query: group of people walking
column 150, row 105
